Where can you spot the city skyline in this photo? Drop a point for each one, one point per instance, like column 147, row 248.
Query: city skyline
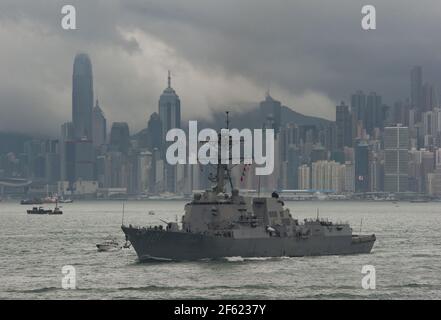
column 371, row 148
column 427, row 99
column 132, row 53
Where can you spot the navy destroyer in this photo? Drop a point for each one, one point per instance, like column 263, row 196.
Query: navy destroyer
column 218, row 224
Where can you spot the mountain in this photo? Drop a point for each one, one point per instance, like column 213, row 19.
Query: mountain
column 250, row 116
column 246, row 116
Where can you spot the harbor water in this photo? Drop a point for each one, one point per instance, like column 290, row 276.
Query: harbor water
column 34, row 249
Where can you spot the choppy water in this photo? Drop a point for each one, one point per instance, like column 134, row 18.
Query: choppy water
column 33, row 250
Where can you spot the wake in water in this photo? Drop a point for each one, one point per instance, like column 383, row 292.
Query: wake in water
column 242, row 259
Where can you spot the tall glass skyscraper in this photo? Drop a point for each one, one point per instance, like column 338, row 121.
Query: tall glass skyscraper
column 170, row 115
column 343, row 120
column 169, row 109
column 82, row 97
column 82, row 106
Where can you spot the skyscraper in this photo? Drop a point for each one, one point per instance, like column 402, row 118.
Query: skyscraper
column 154, row 132
column 396, row 167
column 362, row 168
column 358, row 105
column 82, row 104
column 429, row 97
column 170, row 116
column 288, row 137
column 82, row 97
column 67, row 153
column 343, row 120
column 421, row 163
column 120, row 137
column 374, row 114
column 304, row 176
column 99, row 126
column 84, row 160
column 293, row 164
column 328, row 175
column 169, row 109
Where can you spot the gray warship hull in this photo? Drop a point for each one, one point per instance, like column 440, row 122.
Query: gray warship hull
column 183, row 246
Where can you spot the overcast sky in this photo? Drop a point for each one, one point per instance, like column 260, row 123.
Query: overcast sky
column 312, row 54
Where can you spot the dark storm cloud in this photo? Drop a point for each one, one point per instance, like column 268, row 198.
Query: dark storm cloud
column 311, row 53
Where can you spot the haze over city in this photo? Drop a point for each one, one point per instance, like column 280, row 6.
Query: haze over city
column 311, row 56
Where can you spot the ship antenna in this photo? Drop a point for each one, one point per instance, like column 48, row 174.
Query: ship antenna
column 228, row 169
column 361, row 223
column 258, row 179
column 318, row 213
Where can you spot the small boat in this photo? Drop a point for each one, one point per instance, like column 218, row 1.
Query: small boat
column 419, row 201
column 108, row 245
column 39, row 210
column 31, row 201
column 65, row 201
column 151, row 213
column 50, row 200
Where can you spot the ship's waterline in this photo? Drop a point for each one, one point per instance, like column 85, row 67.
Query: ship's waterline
column 181, row 246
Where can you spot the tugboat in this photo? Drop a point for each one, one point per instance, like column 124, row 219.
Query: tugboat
column 218, row 224
column 39, row 210
column 108, row 245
